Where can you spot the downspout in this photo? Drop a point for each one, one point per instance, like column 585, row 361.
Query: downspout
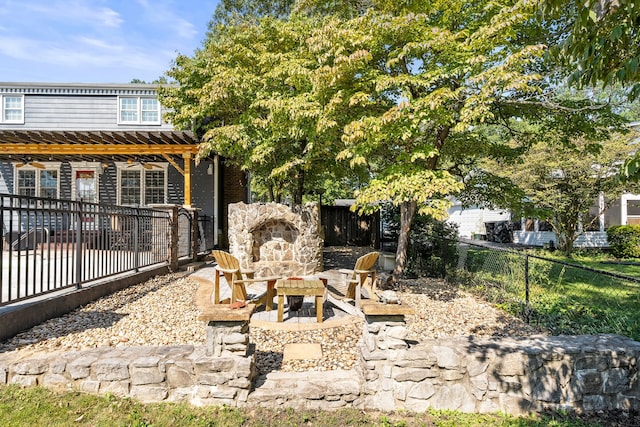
column 216, row 200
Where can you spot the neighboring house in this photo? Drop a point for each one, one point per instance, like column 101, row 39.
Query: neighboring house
column 475, row 221
column 108, row 143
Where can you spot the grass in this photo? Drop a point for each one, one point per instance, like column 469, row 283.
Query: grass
column 597, row 260
column 565, row 299
column 37, row 406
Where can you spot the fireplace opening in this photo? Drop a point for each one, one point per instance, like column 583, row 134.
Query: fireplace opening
column 274, row 240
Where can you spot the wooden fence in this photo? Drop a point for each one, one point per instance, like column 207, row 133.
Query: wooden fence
column 345, row 228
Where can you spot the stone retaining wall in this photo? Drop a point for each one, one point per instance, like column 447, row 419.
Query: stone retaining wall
column 149, row 374
column 586, row 373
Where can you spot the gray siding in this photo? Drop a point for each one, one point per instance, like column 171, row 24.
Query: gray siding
column 175, row 187
column 108, row 186
column 202, row 189
column 6, row 177
column 75, row 112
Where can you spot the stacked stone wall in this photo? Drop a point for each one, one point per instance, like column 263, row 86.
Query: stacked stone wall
column 584, row 373
column 148, row 374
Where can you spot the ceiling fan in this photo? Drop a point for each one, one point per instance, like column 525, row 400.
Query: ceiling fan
column 131, row 163
column 29, row 162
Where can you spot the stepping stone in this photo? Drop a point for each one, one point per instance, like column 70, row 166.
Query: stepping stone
column 302, row 351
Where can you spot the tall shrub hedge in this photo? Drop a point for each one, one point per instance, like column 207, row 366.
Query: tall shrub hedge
column 624, row 241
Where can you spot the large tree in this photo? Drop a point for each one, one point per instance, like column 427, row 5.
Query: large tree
column 449, row 71
column 233, row 11
column 399, row 89
column 601, row 47
column 253, row 94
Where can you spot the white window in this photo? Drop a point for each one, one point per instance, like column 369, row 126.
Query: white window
column 37, row 182
column 138, row 110
column 154, row 187
column 139, row 185
column 11, row 108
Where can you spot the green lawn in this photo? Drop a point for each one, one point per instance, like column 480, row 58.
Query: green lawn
column 39, row 407
column 566, row 299
column 597, row 260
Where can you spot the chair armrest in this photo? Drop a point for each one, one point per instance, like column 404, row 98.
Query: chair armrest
column 259, row 279
column 225, row 270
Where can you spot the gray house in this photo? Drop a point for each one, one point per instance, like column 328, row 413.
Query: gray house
column 108, row 143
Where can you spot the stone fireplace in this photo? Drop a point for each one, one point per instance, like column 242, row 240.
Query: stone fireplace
column 275, row 239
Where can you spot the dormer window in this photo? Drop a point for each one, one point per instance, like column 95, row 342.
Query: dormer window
column 11, row 108
column 137, row 110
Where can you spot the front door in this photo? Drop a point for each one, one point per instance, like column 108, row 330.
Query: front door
column 86, row 186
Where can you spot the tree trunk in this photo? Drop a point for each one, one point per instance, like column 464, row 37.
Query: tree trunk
column 299, row 192
column 407, row 212
column 566, row 237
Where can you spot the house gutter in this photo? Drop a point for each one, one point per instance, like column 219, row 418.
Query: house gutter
column 216, row 200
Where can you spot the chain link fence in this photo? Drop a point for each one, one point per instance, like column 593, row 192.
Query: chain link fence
column 561, row 297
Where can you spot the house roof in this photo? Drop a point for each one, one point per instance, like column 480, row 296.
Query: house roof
column 89, row 89
column 67, row 145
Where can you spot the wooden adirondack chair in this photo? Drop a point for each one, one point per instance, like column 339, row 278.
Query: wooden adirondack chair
column 363, row 276
column 242, row 282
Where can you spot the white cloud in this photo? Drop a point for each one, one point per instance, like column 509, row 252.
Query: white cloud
column 98, row 44
column 109, row 17
column 87, row 53
column 15, row 47
column 75, row 12
column 164, row 15
column 96, row 40
column 185, row 29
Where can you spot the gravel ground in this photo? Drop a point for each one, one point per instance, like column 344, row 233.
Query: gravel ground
column 161, row 311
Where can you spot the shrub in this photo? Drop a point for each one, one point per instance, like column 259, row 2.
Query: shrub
column 432, row 247
column 624, row 241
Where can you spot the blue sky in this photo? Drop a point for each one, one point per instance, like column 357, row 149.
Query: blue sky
column 97, row 41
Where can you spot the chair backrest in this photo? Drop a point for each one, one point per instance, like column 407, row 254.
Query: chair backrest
column 226, row 261
column 366, row 262
column 364, row 265
column 230, row 267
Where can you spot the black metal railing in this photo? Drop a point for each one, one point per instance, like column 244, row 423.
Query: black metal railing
column 49, row 245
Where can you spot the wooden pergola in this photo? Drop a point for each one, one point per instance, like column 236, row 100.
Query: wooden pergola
column 102, row 146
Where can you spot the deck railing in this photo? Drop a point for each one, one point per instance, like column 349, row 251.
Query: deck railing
column 49, row 245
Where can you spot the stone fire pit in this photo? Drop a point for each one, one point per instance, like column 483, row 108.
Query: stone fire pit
column 276, row 240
